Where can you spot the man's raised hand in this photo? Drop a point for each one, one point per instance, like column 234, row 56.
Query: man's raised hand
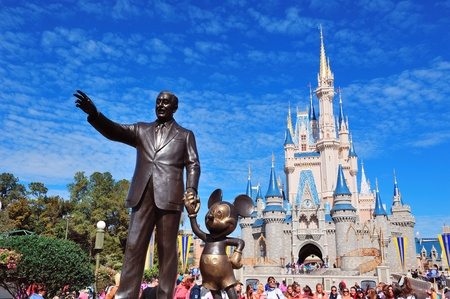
column 85, row 103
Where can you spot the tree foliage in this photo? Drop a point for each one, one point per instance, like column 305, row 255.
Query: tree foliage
column 93, row 198
column 53, row 262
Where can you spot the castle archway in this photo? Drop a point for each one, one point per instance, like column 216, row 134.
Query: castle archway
column 309, row 253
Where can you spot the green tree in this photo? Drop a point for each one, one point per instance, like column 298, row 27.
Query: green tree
column 53, row 262
column 10, row 189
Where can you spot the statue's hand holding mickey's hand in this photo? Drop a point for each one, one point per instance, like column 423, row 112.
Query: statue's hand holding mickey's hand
column 85, row 103
column 235, row 259
column 191, row 202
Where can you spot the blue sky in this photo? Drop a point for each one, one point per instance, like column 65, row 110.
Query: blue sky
column 235, row 65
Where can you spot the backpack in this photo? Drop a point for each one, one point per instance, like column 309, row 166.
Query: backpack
column 195, row 292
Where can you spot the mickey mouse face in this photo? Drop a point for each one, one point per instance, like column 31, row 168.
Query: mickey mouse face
column 221, row 219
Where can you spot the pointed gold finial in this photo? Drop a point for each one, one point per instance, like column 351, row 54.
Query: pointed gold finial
column 323, row 71
column 376, row 185
column 249, row 172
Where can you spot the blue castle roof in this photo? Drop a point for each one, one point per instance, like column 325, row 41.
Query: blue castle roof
column 288, row 138
column 273, row 190
column 258, row 223
column 307, row 154
column 288, row 219
column 352, row 152
column 343, row 207
column 274, row 208
column 341, row 185
column 379, row 209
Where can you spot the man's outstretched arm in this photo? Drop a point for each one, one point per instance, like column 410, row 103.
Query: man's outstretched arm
column 109, row 129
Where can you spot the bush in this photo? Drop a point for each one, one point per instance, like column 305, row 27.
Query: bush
column 53, row 262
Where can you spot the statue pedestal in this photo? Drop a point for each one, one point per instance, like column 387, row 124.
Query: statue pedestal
column 383, row 273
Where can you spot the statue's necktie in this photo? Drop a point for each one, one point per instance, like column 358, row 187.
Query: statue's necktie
column 159, row 134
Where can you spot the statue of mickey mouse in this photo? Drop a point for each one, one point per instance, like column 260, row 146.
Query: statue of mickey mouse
column 221, row 220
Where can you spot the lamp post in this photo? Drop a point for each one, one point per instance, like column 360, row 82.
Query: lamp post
column 99, row 238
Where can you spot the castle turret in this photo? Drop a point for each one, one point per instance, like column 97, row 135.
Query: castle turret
column 314, row 125
column 249, row 190
column 274, row 216
column 344, row 216
column 402, row 224
column 343, row 131
column 365, row 198
column 379, row 210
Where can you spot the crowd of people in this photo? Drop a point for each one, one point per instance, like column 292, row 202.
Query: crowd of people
column 189, row 286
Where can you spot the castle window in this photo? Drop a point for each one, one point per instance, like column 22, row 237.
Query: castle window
column 303, row 137
column 303, row 147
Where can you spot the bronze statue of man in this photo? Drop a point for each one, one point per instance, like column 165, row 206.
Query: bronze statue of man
column 164, row 150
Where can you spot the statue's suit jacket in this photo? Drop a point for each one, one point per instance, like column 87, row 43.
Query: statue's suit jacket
column 163, row 164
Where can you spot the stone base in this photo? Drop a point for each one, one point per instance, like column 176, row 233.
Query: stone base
column 383, row 273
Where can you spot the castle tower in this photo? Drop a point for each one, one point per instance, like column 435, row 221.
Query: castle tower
column 343, row 215
column 402, row 225
column 327, row 145
column 274, row 216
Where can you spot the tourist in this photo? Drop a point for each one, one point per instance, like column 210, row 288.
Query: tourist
column 371, row 294
column 273, row 292
column 238, row 289
column 446, row 293
column 360, row 293
column 111, row 290
column 289, row 294
column 283, row 286
column 182, row 290
column 406, row 291
column 249, row 292
column 379, row 290
column 307, row 293
column 334, row 293
column 260, row 293
column 353, row 292
column 388, row 292
column 346, row 294
column 150, row 291
column 320, row 293
column 39, row 292
column 298, row 294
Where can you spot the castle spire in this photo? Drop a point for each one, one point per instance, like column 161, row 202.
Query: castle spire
column 341, row 110
column 352, row 152
column 312, row 112
column 289, row 121
column 365, row 188
column 397, row 196
column 323, row 70
column 249, row 182
column 379, row 208
column 273, row 190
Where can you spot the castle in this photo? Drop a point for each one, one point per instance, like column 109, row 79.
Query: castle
column 322, row 213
